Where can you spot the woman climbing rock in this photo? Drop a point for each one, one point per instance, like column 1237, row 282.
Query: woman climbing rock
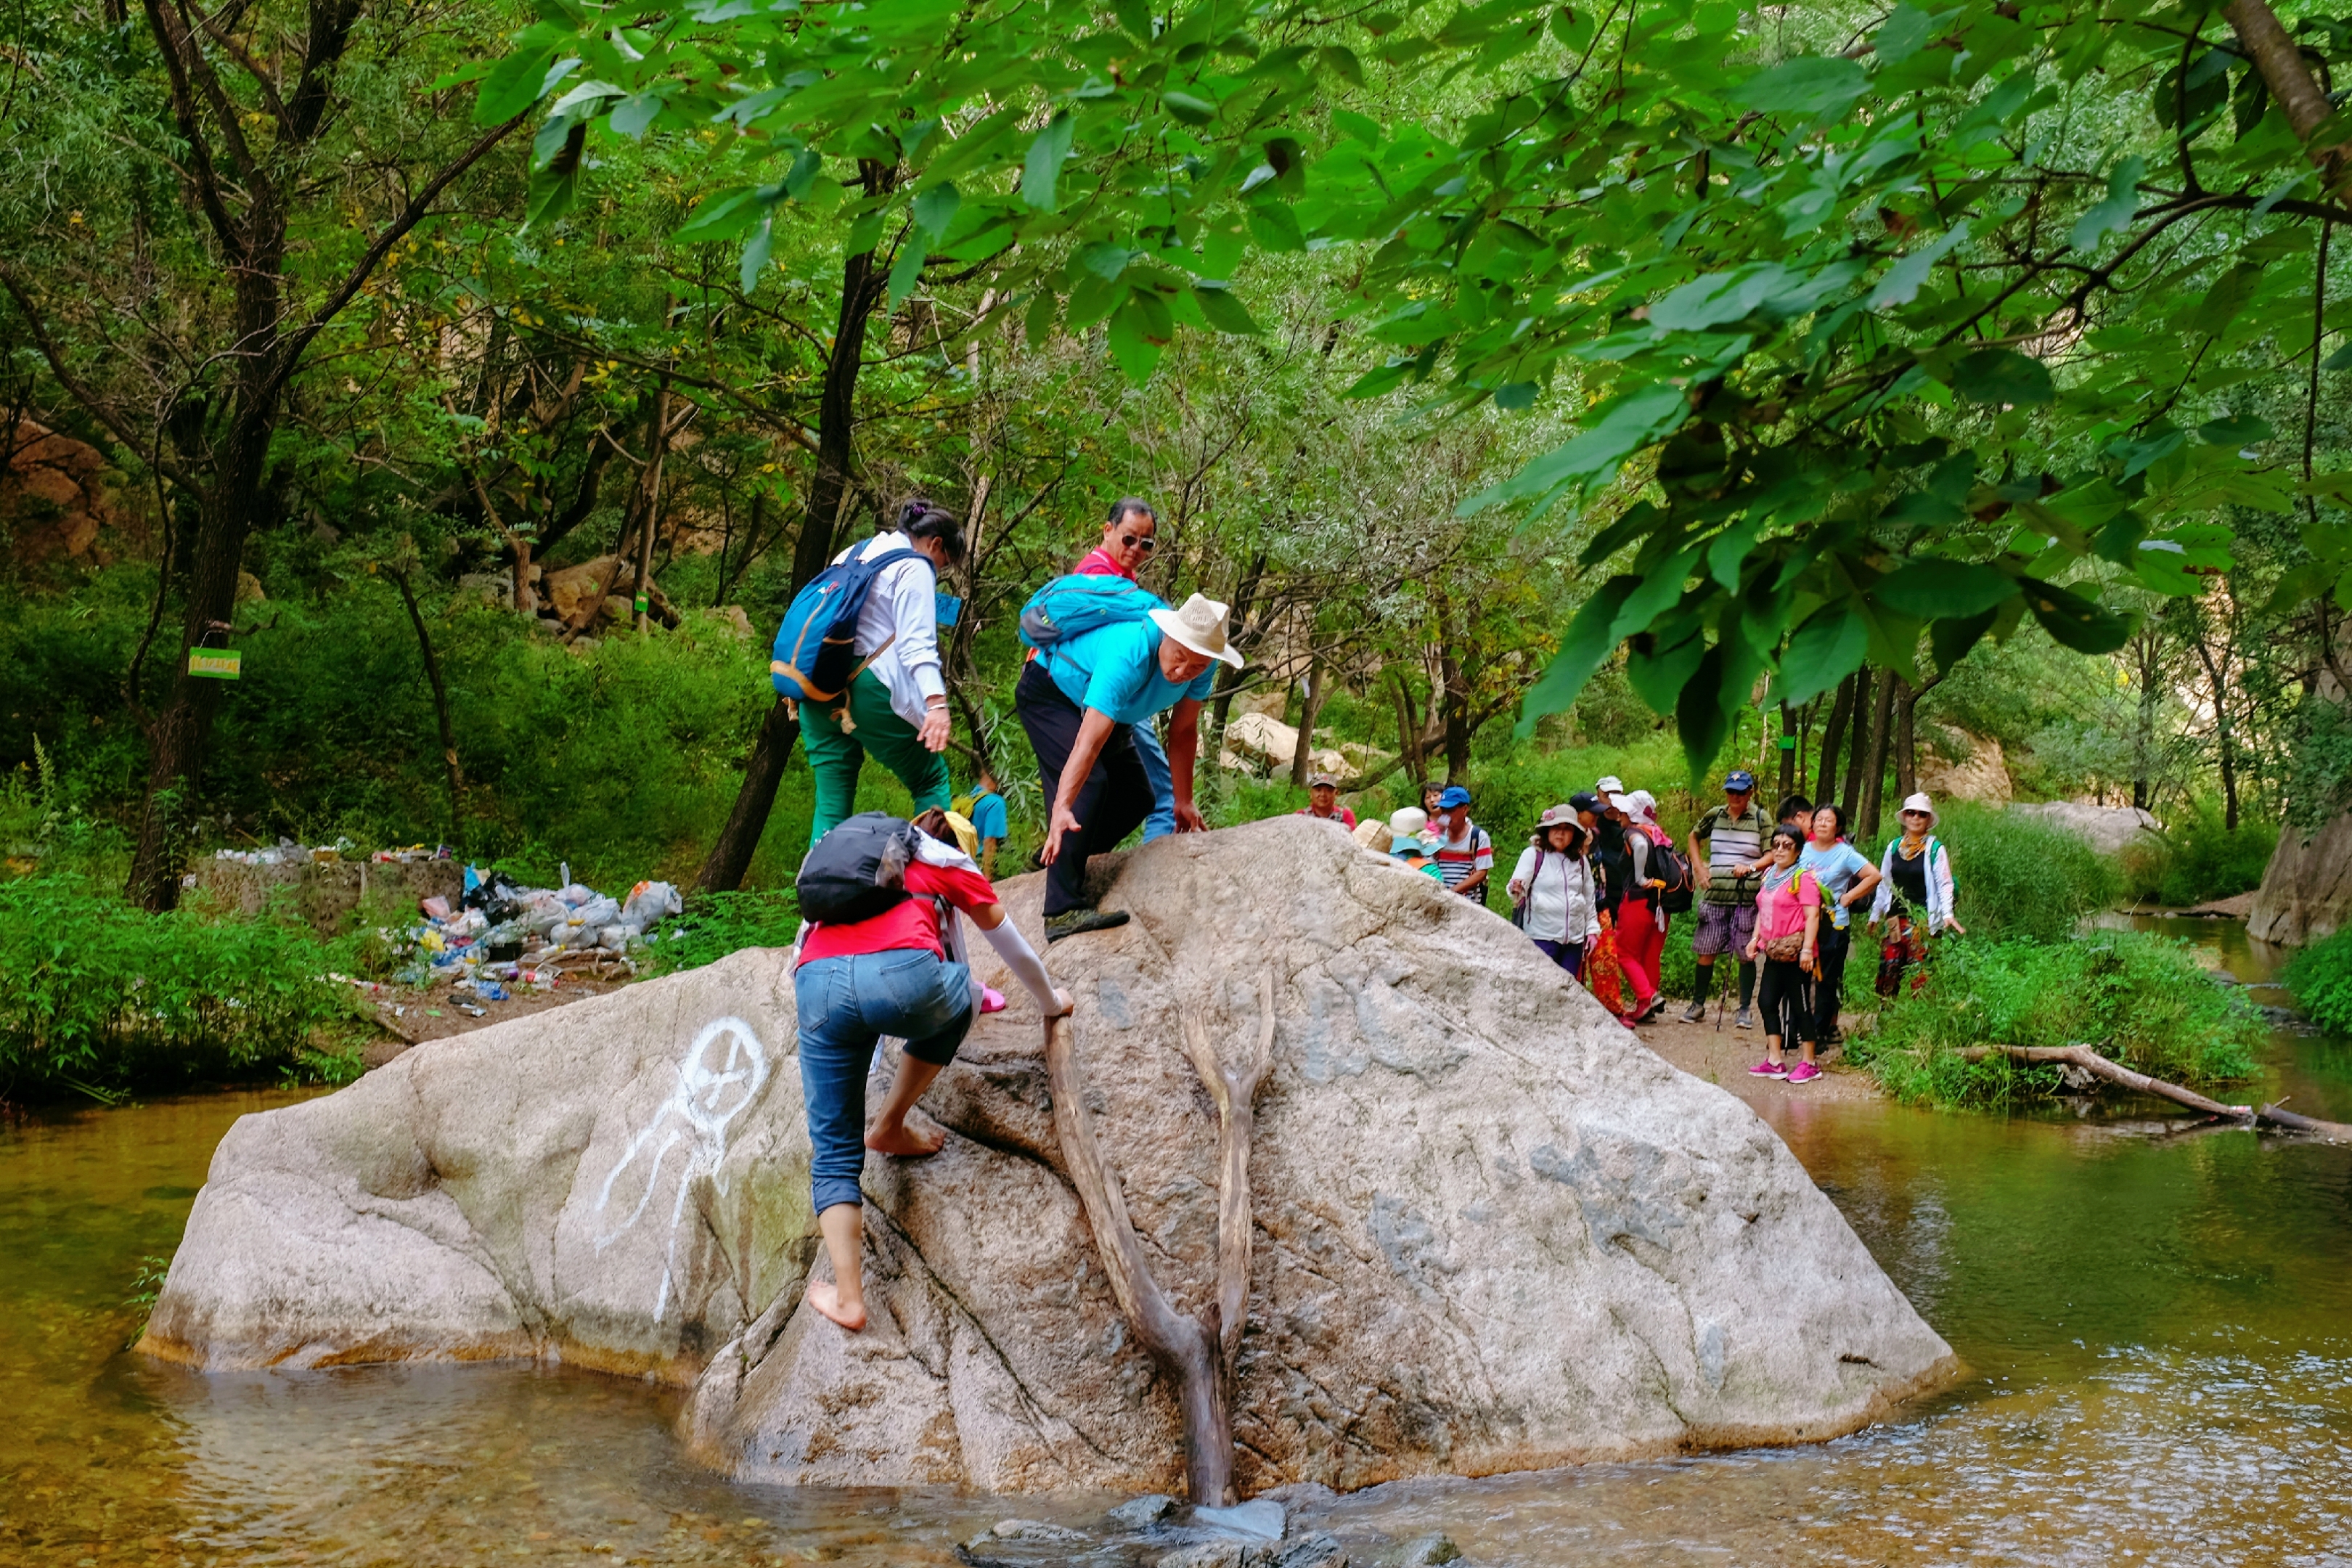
column 888, row 961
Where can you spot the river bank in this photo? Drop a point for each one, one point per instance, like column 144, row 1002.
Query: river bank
column 2134, row 1303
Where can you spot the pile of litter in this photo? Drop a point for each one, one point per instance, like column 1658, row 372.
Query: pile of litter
column 286, row 852
column 502, row 935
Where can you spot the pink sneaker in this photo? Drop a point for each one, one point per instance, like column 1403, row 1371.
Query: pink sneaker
column 1803, row 1072
column 1767, row 1070
column 991, row 1000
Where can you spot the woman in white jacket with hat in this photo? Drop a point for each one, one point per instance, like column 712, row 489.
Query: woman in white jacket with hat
column 1915, row 881
column 1556, row 891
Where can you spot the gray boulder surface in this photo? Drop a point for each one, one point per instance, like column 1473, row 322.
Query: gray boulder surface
column 2109, row 829
column 2306, row 892
column 1493, row 1232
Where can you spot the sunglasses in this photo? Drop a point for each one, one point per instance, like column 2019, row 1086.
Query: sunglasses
column 1145, row 542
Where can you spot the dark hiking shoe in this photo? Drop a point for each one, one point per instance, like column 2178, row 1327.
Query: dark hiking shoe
column 1070, row 923
column 1695, row 1013
column 1746, row 1020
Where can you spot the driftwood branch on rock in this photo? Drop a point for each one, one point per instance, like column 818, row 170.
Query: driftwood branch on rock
column 2092, row 1062
column 1199, row 1355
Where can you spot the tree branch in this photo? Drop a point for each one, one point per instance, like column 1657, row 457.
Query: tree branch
column 289, row 352
column 80, row 392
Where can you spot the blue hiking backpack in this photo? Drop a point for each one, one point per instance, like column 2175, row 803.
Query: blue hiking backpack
column 812, row 660
column 1072, row 607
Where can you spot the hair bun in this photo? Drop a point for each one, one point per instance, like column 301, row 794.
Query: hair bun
column 912, row 510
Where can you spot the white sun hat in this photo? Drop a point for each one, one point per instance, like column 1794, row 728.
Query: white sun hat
column 1921, row 803
column 1610, row 784
column 1200, row 625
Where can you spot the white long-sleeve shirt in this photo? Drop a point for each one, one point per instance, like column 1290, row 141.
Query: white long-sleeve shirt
column 1561, row 906
column 902, row 610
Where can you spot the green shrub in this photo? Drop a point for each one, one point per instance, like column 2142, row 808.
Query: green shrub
column 2141, row 1000
column 99, row 998
column 716, row 924
column 2321, row 978
column 2016, row 879
column 2196, row 860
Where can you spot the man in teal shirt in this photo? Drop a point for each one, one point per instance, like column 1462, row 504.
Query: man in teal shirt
column 1079, row 701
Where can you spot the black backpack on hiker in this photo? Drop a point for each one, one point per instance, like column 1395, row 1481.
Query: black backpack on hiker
column 858, row 870
column 1667, row 865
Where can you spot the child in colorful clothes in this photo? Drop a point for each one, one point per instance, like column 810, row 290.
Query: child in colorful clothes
column 1788, row 927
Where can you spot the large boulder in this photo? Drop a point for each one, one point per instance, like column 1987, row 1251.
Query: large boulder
column 2109, row 829
column 1493, row 1230
column 2306, row 892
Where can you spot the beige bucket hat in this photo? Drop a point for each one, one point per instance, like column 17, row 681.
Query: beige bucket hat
column 1200, row 625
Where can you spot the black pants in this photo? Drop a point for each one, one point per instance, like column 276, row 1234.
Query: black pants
column 1829, row 991
column 1112, row 803
column 1785, row 995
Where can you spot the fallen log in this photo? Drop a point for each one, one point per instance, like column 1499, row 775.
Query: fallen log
column 2092, row 1062
column 1197, row 1353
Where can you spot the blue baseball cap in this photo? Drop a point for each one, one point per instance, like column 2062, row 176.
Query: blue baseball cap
column 1454, row 795
column 1740, row 781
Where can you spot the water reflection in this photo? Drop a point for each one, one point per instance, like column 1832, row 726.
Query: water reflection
column 2159, row 1325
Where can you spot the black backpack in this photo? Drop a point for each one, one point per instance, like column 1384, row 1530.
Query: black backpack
column 1667, row 865
column 843, row 880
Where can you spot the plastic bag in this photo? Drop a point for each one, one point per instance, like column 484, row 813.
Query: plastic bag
column 650, row 902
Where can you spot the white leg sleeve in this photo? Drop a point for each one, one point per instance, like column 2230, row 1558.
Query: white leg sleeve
column 1022, row 960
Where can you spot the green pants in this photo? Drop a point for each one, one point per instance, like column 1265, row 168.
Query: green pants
column 834, row 758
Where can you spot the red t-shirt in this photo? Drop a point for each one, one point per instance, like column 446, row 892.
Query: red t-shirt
column 1339, row 813
column 914, row 923
column 1100, row 563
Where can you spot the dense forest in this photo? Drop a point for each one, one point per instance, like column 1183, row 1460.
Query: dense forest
column 1852, row 388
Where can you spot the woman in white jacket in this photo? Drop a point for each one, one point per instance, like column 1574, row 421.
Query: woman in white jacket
column 1915, row 881
column 1555, row 891
column 897, row 706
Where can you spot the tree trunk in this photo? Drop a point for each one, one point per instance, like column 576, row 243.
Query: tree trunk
column 2224, row 741
column 862, row 285
column 1858, row 746
column 1245, row 597
column 185, row 724
column 1874, row 766
column 1788, row 751
column 1907, row 748
column 1303, row 755
column 1409, row 747
column 1832, row 737
column 457, row 775
column 2144, row 647
column 1454, row 693
column 649, row 505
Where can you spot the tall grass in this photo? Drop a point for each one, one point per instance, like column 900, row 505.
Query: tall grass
column 2140, row 1000
column 99, row 998
column 2196, row 860
column 2321, row 978
column 2015, row 879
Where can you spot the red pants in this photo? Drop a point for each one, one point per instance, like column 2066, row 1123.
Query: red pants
column 1640, row 942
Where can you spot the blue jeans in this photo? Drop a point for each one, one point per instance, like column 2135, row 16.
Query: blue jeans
column 1154, row 758
column 847, row 1005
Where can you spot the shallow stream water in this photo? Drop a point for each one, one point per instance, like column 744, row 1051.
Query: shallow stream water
column 2158, row 1321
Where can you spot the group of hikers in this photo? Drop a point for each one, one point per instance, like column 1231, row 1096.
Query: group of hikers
column 881, row 950
column 1600, row 882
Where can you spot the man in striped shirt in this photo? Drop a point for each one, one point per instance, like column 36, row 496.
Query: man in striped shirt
column 1736, row 836
column 1464, row 853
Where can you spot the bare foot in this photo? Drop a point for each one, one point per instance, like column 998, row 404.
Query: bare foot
column 907, row 1138
column 826, row 1296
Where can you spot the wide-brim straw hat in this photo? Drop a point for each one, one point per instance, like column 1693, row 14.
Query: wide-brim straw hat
column 1921, row 803
column 1199, row 624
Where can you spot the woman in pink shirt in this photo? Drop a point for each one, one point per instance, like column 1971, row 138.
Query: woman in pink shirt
column 1787, row 939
